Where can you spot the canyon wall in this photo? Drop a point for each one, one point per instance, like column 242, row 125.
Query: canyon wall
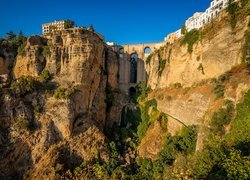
column 217, row 51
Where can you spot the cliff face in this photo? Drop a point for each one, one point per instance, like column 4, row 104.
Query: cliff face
column 78, row 61
column 7, row 59
column 186, row 88
column 76, row 58
column 217, row 51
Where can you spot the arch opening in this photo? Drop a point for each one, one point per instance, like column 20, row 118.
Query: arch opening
column 133, row 67
column 121, row 52
column 147, row 51
column 132, row 92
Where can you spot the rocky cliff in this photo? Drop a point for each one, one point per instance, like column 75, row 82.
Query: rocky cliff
column 190, row 86
column 218, row 49
column 65, row 114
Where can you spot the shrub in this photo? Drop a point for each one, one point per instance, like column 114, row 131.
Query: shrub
column 219, row 90
column 149, row 169
column 245, row 7
column 240, row 125
column 21, row 48
column 22, row 124
column 176, row 85
column 169, row 55
column 148, row 60
column 142, row 90
column 25, row 84
column 191, row 38
column 225, row 77
column 46, row 51
column 185, row 142
column 200, row 68
column 236, row 165
column 63, row 93
column 145, row 123
column 162, row 62
column 205, row 163
column 198, row 58
column 222, row 117
column 69, row 24
column 232, row 10
column 246, row 47
column 44, row 76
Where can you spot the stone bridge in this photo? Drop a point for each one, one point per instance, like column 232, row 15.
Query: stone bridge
column 132, row 64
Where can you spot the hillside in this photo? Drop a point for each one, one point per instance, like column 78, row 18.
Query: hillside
column 63, row 116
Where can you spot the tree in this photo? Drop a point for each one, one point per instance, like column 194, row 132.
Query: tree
column 91, row 28
column 69, row 24
column 183, row 29
column 10, row 36
column 21, row 38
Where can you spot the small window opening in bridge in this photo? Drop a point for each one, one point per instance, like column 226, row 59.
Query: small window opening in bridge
column 133, row 68
column 121, row 52
column 147, row 50
column 132, row 92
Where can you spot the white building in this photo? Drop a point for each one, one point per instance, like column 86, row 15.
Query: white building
column 111, row 43
column 200, row 18
column 56, row 25
column 194, row 22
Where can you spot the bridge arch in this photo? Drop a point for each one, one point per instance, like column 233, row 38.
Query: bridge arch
column 133, row 67
column 132, row 92
column 147, row 50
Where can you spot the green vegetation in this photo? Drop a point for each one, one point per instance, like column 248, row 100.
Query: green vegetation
column 198, row 58
column 169, row 55
column 22, row 124
column 185, row 142
column 176, row 85
column 219, row 90
column 142, row 91
column 200, row 68
column 183, row 29
column 45, row 76
column 240, row 125
column 222, row 157
column 147, row 120
column 46, row 51
column 148, row 60
column 222, row 117
column 232, row 10
column 25, row 84
column 91, row 28
column 14, row 41
column 245, row 7
column 64, row 93
column 162, row 63
column 191, row 38
column 22, row 48
column 69, row 24
column 246, row 47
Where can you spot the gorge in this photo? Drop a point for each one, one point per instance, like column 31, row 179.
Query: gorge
column 73, row 107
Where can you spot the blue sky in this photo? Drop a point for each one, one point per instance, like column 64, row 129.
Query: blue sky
column 121, row 21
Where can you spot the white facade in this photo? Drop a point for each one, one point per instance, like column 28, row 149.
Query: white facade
column 194, row 22
column 111, row 43
column 172, row 37
column 57, row 25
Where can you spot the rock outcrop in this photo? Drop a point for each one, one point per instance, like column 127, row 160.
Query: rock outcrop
column 36, row 126
column 218, row 51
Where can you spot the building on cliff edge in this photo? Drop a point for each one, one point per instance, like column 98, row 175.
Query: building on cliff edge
column 57, row 26
column 199, row 19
